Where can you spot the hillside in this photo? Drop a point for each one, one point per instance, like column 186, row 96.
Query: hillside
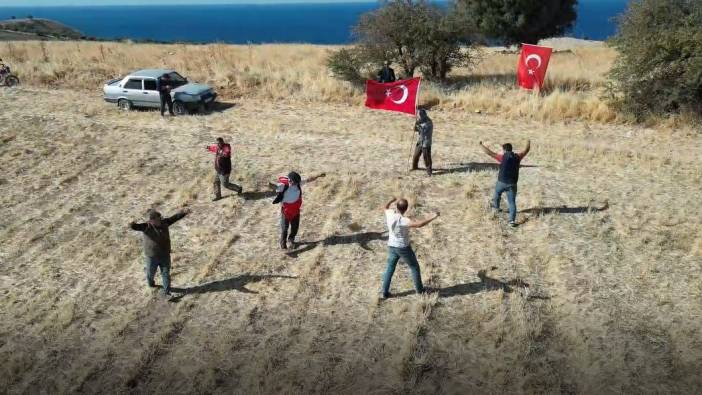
column 598, row 290
column 36, row 29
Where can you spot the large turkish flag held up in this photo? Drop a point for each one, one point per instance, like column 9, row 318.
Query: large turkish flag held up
column 533, row 63
column 400, row 96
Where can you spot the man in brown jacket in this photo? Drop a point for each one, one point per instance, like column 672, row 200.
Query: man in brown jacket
column 157, row 246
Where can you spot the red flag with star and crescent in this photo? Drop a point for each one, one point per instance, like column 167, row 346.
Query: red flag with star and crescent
column 400, row 96
column 533, row 63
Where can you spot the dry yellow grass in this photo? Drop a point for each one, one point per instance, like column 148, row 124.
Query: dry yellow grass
column 298, row 73
column 598, row 291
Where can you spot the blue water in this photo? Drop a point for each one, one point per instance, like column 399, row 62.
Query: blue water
column 244, row 23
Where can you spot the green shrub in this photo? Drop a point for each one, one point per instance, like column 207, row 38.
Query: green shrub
column 346, row 65
column 659, row 67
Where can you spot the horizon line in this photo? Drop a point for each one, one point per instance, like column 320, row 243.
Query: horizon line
column 194, row 3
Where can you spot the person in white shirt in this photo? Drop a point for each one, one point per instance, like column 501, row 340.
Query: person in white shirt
column 399, row 245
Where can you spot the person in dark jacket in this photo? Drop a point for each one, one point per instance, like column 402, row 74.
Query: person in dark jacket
column 507, row 177
column 386, row 74
column 164, row 91
column 425, row 127
column 223, row 168
column 157, row 246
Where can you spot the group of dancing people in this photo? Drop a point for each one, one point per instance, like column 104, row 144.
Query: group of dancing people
column 288, row 193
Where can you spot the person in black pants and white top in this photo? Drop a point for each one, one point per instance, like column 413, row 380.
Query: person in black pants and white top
column 289, row 194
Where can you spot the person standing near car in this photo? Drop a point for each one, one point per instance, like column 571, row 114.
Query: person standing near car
column 164, row 90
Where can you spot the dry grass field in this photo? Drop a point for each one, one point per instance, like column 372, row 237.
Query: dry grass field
column 573, row 87
column 599, row 290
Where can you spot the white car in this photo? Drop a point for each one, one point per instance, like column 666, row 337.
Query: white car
column 140, row 89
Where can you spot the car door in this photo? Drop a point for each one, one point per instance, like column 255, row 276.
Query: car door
column 150, row 94
column 133, row 89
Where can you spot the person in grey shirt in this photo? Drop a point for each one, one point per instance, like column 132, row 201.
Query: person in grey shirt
column 425, row 127
column 157, row 246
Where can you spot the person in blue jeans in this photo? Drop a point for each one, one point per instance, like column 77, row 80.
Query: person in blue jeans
column 507, row 177
column 157, row 246
column 399, row 244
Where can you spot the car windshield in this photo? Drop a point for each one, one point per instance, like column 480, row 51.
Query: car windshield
column 177, row 79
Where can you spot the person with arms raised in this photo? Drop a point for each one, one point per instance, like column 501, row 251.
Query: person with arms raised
column 289, row 194
column 399, row 245
column 157, row 246
column 507, row 177
column 223, row 168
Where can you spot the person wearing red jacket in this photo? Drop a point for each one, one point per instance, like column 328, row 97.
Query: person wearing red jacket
column 289, row 194
column 223, row 168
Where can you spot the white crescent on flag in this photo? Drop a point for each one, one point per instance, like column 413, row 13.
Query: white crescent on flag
column 535, row 57
column 405, row 94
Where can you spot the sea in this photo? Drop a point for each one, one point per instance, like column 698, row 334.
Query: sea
column 314, row 23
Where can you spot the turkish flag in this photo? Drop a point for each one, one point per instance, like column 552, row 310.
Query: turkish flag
column 533, row 63
column 400, row 96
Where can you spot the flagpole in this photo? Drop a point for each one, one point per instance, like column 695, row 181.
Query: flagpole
column 413, row 141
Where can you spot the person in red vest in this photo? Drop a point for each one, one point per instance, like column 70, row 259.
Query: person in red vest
column 223, row 167
column 507, row 177
column 289, row 195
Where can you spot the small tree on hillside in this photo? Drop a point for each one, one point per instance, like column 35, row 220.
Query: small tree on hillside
column 519, row 21
column 659, row 67
column 413, row 34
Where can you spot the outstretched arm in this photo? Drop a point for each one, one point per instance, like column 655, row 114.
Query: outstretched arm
column 136, row 226
column 320, row 175
column 387, row 205
column 178, row 216
column 419, row 224
column 489, row 151
column 526, row 150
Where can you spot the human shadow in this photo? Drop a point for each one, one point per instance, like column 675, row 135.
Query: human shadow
column 362, row 239
column 471, row 167
column 257, row 195
column 236, row 283
column 485, row 284
column 565, row 210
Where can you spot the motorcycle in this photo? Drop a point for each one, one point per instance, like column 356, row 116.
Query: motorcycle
column 7, row 78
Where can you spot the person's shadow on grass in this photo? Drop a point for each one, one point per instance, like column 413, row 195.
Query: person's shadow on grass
column 471, row 167
column 236, row 283
column 362, row 239
column 565, row 210
column 485, row 284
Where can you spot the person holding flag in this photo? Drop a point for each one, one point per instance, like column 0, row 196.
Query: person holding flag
column 289, row 195
column 507, row 177
column 386, row 74
column 425, row 127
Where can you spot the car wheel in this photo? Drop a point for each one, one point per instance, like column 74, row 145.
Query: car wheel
column 11, row 80
column 179, row 108
column 124, row 104
column 202, row 108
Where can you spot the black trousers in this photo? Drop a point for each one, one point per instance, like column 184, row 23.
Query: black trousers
column 166, row 100
column 426, row 153
column 293, row 224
